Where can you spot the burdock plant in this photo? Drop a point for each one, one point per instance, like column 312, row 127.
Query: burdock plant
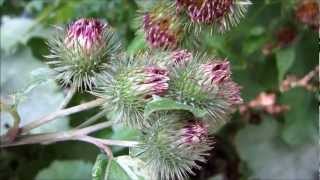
column 80, row 54
column 174, row 99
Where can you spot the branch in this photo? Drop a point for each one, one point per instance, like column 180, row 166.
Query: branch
column 102, row 146
column 92, row 119
column 61, row 113
column 68, row 98
column 47, row 138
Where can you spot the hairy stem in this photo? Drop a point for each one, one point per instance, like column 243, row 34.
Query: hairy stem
column 68, row 98
column 47, row 138
column 102, row 146
column 92, row 119
column 61, row 113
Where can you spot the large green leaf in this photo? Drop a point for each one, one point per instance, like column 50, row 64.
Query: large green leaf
column 28, row 81
column 301, row 119
column 15, row 31
column 285, row 58
column 66, row 170
column 122, row 167
column 268, row 157
column 99, row 167
column 165, row 104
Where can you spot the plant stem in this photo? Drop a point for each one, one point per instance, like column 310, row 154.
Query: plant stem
column 68, row 98
column 48, row 138
column 112, row 142
column 102, row 146
column 92, row 119
column 61, row 113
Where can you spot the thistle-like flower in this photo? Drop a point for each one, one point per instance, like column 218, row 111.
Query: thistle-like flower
column 174, row 146
column 217, row 14
column 80, row 54
column 206, row 85
column 161, row 28
column 132, row 84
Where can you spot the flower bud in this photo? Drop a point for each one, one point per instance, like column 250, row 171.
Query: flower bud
column 161, row 31
column 204, row 11
column 173, row 147
column 308, row 13
column 86, row 34
column 206, row 85
column 81, row 54
column 149, row 81
column 219, row 13
column 132, row 84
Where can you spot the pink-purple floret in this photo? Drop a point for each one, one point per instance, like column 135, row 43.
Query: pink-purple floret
column 194, row 132
column 157, row 36
column 180, row 57
column 204, row 11
column 156, row 79
column 87, row 33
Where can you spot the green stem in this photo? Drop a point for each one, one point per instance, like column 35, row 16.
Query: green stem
column 61, row 113
column 47, row 138
column 68, row 98
column 92, row 120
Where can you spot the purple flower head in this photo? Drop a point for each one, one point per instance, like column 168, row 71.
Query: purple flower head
column 231, row 91
column 152, row 80
column 214, row 73
column 194, row 132
column 180, row 57
column 159, row 32
column 205, row 11
column 85, row 33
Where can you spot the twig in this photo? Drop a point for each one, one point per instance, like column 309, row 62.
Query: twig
column 92, row 119
column 112, row 142
column 292, row 81
column 48, row 138
column 102, row 146
column 68, row 98
column 61, row 113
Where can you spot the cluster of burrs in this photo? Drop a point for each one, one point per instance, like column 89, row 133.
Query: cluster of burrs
column 176, row 99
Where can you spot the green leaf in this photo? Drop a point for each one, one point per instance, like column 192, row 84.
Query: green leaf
column 135, row 168
column 261, row 148
column 122, row 167
column 301, row 119
column 66, row 170
column 165, row 104
column 16, row 31
column 122, row 132
column 285, row 58
column 99, row 167
column 27, row 80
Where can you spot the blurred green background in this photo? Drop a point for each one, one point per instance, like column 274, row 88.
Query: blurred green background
column 255, row 146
